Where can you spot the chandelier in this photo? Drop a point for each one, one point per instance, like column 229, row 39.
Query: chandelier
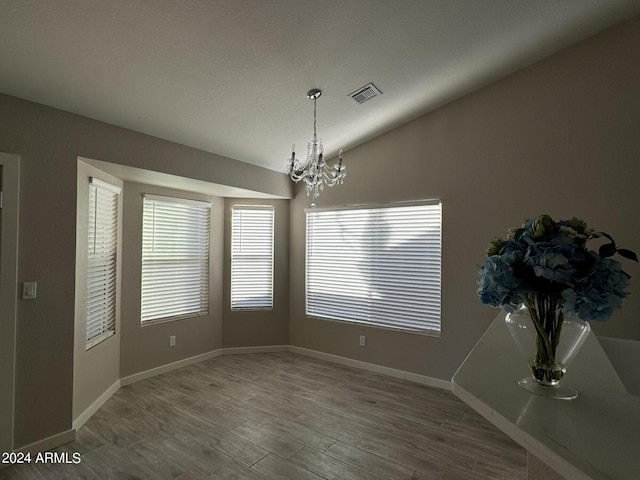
column 314, row 169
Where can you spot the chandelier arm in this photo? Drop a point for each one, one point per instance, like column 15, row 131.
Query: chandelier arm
column 297, row 175
column 333, row 178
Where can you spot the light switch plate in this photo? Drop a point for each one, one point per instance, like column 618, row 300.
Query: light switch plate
column 29, row 290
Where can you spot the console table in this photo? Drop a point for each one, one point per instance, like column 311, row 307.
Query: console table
column 595, row 436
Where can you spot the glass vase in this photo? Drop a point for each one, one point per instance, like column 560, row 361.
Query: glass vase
column 549, row 343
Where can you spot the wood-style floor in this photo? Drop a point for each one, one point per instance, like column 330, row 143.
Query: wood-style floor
column 283, row 416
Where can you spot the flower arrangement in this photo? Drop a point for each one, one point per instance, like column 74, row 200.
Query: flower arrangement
column 550, row 259
column 545, row 266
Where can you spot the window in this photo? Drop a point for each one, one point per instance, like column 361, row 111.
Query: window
column 252, row 257
column 101, row 261
column 175, row 259
column 378, row 266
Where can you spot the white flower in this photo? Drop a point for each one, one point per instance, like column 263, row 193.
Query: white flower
column 568, row 231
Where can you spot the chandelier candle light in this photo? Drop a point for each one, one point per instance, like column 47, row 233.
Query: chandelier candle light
column 314, row 170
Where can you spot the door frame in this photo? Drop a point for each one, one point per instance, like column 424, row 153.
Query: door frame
column 8, row 294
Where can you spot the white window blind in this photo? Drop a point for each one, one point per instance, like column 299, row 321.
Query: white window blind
column 252, row 257
column 175, row 258
column 101, row 261
column 378, row 266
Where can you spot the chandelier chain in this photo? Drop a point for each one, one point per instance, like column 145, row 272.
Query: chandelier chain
column 314, row 117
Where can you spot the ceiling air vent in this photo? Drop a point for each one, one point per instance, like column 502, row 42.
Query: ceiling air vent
column 365, row 93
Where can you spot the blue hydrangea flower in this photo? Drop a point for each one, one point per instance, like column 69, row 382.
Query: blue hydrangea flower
column 549, row 258
column 595, row 296
column 498, row 286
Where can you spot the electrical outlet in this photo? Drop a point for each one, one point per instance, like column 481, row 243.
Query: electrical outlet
column 29, row 290
column 363, row 340
column 172, row 341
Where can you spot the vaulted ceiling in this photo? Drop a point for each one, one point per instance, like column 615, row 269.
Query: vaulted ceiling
column 231, row 76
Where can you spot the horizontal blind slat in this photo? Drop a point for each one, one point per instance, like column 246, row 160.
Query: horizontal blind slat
column 252, row 257
column 102, row 237
column 175, row 258
column 376, row 265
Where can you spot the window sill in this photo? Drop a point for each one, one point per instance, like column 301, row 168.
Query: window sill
column 423, row 333
column 99, row 339
column 158, row 321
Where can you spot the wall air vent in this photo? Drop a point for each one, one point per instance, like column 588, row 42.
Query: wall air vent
column 365, row 93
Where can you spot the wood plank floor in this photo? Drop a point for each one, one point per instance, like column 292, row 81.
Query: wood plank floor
column 283, row 416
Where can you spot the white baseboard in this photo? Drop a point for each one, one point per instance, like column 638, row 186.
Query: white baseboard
column 136, row 377
column 95, row 406
column 372, row 367
column 262, row 349
column 50, row 442
column 70, row 435
column 429, row 381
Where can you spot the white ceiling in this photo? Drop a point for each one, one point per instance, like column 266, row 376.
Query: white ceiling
column 231, row 76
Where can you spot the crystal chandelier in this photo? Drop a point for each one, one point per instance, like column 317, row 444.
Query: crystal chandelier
column 314, row 170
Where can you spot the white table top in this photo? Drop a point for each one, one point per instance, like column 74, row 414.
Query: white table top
column 595, row 436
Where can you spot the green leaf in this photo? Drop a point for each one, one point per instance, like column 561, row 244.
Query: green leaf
column 607, row 250
column 613, row 242
column 628, row 254
column 518, row 233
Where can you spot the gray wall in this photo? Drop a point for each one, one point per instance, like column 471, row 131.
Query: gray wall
column 243, row 328
column 49, row 141
column 625, row 358
column 559, row 137
column 144, row 348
